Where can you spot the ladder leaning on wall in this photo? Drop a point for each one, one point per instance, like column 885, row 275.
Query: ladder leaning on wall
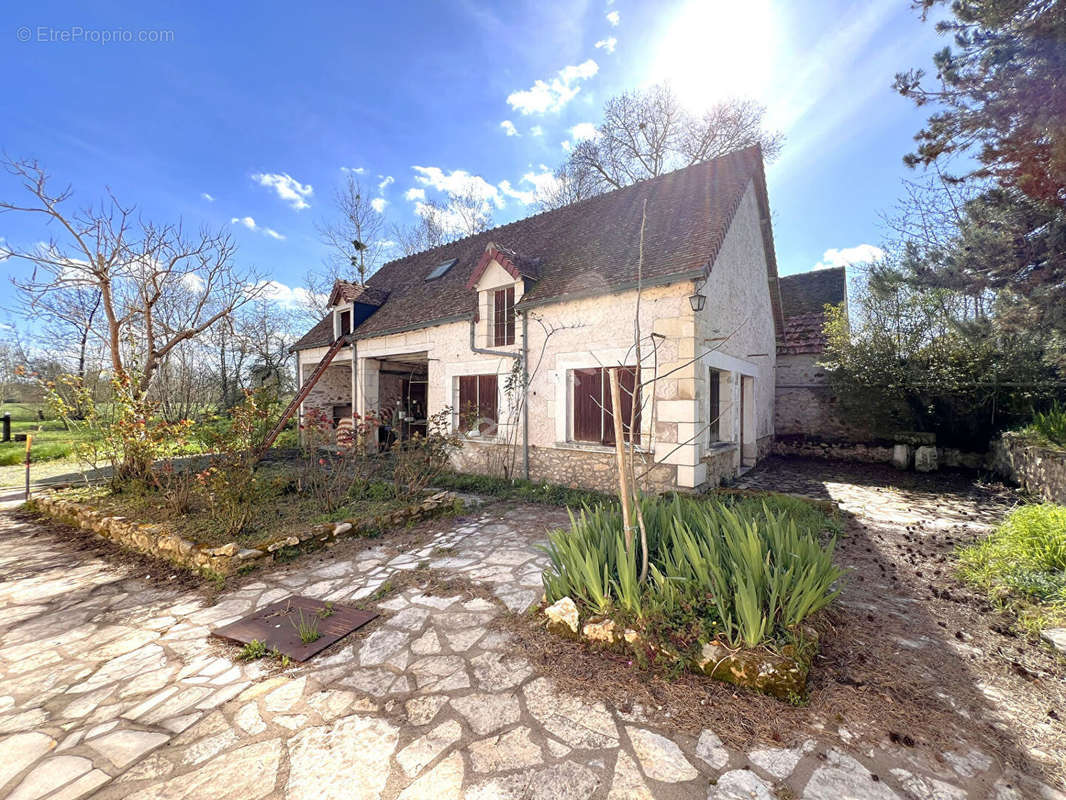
column 301, row 395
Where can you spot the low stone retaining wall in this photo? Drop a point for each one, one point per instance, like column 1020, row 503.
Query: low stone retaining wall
column 1036, row 468
column 156, row 541
column 782, row 674
column 869, row 452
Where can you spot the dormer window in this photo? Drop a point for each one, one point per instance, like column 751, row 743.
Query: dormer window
column 344, row 322
column 503, row 317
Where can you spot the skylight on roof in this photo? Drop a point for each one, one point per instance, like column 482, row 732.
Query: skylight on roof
column 440, row 269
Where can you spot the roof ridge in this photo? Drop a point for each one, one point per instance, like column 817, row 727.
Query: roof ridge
column 597, row 197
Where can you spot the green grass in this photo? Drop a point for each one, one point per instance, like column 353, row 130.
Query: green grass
column 51, row 440
column 744, row 569
column 1022, row 564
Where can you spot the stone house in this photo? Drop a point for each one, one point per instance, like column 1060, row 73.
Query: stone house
column 552, row 301
column 805, row 406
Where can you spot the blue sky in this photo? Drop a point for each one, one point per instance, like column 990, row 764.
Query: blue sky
column 253, row 111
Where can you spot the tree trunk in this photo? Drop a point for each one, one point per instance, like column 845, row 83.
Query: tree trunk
column 620, row 456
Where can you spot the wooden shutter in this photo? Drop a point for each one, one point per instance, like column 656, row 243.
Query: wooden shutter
column 588, row 396
column 499, row 326
column 486, row 406
column 714, row 404
column 468, row 405
column 503, row 317
column 509, row 316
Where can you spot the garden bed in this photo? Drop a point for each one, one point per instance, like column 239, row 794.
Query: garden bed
column 141, row 524
column 731, row 585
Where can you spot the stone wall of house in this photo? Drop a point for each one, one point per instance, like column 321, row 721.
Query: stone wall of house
column 735, row 334
column 333, row 388
column 574, row 466
column 805, row 405
column 1039, row 469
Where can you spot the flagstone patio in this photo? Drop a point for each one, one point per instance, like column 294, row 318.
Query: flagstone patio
column 111, row 687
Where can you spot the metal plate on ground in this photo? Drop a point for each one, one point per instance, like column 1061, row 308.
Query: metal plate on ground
column 278, row 625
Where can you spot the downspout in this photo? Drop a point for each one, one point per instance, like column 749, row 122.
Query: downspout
column 505, row 354
column 525, row 395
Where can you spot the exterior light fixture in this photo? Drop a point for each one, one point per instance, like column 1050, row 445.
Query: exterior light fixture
column 697, row 300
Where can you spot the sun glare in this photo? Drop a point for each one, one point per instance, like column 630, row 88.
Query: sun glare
column 714, row 49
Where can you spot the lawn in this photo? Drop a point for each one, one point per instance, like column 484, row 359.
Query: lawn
column 51, row 439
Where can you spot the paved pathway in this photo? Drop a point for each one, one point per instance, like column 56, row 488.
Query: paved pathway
column 110, row 687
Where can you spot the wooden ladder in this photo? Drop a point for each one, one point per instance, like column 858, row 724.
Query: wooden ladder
column 301, row 395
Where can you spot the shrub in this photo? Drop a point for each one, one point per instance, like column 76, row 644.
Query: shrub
column 337, row 465
column 420, row 460
column 1024, row 557
column 1050, row 425
column 744, row 576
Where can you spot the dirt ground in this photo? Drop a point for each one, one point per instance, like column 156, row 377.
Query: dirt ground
column 910, row 656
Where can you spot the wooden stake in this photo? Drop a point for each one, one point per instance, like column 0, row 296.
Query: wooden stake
column 619, row 454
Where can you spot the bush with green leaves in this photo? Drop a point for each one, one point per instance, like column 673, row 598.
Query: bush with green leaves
column 1050, row 425
column 718, row 569
column 1024, row 558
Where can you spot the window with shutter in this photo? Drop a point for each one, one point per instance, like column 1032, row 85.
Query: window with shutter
column 714, row 404
column 503, row 317
column 346, row 323
column 478, row 398
column 593, row 414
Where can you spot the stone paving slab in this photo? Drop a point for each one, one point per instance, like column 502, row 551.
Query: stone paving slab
column 111, row 688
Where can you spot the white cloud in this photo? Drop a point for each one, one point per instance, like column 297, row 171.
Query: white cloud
column 545, row 96
column 846, row 256
column 536, row 130
column 356, row 170
column 525, row 197
column 614, row 18
column 509, row 128
column 207, row 197
column 565, row 144
column 250, row 224
column 458, row 181
column 607, row 45
column 584, row 130
column 414, row 193
column 378, row 204
column 193, row 282
column 539, row 183
column 288, row 188
column 289, row 296
column 386, row 182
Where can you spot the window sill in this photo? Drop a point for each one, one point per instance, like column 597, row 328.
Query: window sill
column 717, row 448
column 589, row 447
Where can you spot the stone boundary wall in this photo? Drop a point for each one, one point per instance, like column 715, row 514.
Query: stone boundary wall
column 573, row 467
column 156, row 541
column 1037, row 468
column 869, row 452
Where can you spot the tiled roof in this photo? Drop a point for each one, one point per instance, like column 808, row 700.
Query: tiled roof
column 587, row 248
column 345, row 290
column 803, row 300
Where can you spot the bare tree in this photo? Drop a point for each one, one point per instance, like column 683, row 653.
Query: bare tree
column 354, row 236
column 159, row 286
column 466, row 211
column 647, row 132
